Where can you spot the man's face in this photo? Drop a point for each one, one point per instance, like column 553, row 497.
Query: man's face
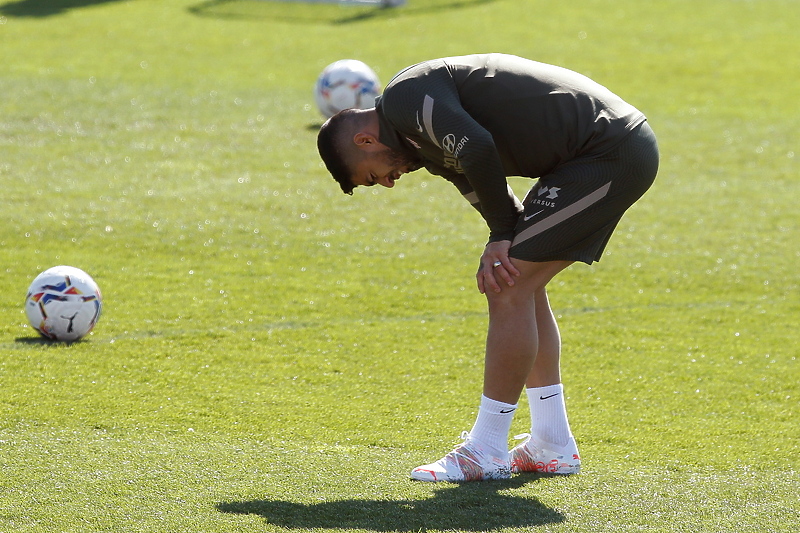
column 383, row 168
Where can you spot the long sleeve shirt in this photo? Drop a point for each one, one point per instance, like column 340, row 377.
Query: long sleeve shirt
column 477, row 119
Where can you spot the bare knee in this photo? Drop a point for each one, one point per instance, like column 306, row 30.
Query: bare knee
column 510, row 297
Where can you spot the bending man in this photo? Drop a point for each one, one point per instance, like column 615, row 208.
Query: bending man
column 476, row 120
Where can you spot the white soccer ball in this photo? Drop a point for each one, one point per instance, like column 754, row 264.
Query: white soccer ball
column 346, row 84
column 63, row 303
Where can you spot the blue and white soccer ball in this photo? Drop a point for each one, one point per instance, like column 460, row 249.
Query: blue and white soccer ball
column 346, row 84
column 63, row 303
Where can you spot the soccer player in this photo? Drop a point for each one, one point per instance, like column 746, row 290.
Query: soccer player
column 475, row 120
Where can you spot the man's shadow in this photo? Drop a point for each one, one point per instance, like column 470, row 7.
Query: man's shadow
column 45, row 8
column 469, row 507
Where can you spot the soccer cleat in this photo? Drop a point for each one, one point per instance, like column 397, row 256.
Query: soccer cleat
column 467, row 462
column 545, row 458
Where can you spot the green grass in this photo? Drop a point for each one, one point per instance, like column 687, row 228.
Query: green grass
column 275, row 356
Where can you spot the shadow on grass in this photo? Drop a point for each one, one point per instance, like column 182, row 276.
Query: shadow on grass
column 45, row 8
column 315, row 12
column 467, row 507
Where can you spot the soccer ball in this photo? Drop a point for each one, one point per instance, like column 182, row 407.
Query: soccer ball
column 346, row 84
column 63, row 303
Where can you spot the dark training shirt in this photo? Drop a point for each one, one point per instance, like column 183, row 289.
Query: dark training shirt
column 476, row 119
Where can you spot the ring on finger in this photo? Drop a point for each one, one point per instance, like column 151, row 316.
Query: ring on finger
column 497, row 264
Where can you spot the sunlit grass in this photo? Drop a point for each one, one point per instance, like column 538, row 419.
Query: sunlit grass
column 274, row 355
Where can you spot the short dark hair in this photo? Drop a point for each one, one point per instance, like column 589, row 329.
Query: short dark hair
column 333, row 144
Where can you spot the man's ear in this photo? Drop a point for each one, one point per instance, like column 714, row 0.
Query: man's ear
column 366, row 141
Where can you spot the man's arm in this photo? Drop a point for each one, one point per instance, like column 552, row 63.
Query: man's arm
column 424, row 104
column 468, row 192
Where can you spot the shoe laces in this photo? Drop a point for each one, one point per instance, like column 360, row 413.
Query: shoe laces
column 458, row 453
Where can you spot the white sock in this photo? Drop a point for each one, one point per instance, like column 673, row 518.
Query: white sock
column 493, row 423
column 549, row 414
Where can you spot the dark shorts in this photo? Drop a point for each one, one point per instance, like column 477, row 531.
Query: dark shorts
column 571, row 212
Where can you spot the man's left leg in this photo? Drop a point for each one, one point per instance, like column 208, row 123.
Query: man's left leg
column 513, row 341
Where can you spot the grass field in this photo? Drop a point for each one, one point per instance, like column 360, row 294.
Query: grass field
column 276, row 356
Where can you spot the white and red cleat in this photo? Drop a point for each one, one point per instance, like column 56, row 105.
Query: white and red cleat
column 468, row 462
column 544, row 457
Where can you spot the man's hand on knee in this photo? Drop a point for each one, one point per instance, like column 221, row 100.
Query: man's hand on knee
column 496, row 267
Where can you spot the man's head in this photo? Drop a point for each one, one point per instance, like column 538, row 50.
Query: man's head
column 348, row 144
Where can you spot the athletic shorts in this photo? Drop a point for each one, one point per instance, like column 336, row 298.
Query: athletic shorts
column 571, row 212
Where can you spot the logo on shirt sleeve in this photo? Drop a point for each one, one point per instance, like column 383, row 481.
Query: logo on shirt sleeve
column 449, row 144
column 450, row 147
